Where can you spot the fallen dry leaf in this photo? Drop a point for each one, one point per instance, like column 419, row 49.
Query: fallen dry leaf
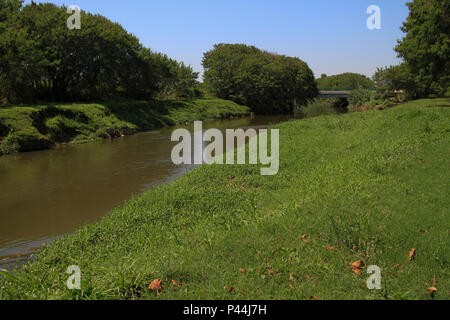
column 304, row 236
column 176, row 283
column 357, row 266
column 242, row 270
column 156, row 285
column 305, row 241
column 412, row 254
column 432, row 291
column 269, row 270
column 330, row 248
column 229, row 289
column 315, row 297
column 244, row 293
column 291, row 277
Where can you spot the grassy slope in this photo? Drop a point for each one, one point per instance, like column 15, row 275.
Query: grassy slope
column 373, row 185
column 38, row 127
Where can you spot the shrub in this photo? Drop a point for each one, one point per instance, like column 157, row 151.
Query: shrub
column 360, row 96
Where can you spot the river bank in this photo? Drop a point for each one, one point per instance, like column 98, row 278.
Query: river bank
column 367, row 187
column 54, row 192
column 38, row 127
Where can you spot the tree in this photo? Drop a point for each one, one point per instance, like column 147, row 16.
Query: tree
column 43, row 60
column 389, row 81
column 426, row 45
column 266, row 82
column 344, row 81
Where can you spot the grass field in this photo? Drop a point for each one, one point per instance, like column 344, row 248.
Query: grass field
column 367, row 186
column 26, row 128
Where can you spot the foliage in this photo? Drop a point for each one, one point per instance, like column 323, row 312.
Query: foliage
column 363, row 100
column 323, row 106
column 426, row 46
column 266, row 82
column 361, row 186
column 42, row 60
column 344, row 81
column 360, row 96
column 395, row 81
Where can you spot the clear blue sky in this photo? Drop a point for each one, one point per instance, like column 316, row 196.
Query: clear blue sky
column 330, row 35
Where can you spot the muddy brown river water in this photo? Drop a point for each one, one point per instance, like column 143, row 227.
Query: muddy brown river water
column 46, row 194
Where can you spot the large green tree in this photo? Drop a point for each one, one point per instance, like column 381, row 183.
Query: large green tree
column 426, row 45
column 266, row 82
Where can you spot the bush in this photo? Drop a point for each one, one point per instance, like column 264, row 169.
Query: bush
column 323, row 106
column 360, row 96
column 9, row 145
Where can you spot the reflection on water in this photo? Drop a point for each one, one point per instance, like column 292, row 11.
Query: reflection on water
column 49, row 193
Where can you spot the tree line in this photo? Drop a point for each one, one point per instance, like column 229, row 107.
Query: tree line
column 345, row 81
column 42, row 60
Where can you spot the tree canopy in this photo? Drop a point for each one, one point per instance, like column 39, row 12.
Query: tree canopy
column 344, row 81
column 41, row 59
column 426, row 45
column 266, row 82
column 389, row 80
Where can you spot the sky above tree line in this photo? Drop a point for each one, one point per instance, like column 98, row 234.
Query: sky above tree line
column 331, row 36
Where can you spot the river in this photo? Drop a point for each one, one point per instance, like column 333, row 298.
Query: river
column 46, row 194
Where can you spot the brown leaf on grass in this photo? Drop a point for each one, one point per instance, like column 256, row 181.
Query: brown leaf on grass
column 412, row 254
column 244, row 293
column 423, row 160
column 434, row 281
column 330, row 248
column 176, row 283
column 156, row 285
column 229, row 289
column 269, row 270
column 303, row 237
column 259, row 252
column 242, row 270
column 291, row 277
column 357, row 266
column 305, row 241
column 432, row 291
column 315, row 297
column 307, row 277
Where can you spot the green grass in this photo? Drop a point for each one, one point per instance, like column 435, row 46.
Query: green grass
column 373, row 185
column 319, row 107
column 24, row 128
